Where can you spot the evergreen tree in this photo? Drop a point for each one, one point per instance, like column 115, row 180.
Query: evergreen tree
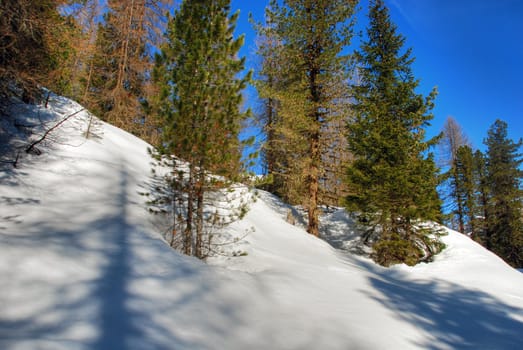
column 393, row 178
column 505, row 225
column 465, row 188
column 268, row 76
column 308, row 84
column 481, row 233
column 199, row 102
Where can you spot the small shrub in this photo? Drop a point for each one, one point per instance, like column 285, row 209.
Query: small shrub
column 395, row 250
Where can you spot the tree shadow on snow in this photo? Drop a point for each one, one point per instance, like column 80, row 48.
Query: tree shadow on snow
column 451, row 315
column 341, row 231
column 124, row 305
column 67, row 305
column 284, row 209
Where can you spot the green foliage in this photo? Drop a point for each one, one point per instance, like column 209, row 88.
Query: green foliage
column 104, row 67
column 421, row 246
column 395, row 250
column 464, row 186
column 482, row 190
column 198, row 79
column 303, row 83
column 504, row 222
column 200, row 91
column 393, row 178
column 35, row 48
column 62, row 37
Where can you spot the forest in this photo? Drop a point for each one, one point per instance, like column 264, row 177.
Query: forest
column 342, row 126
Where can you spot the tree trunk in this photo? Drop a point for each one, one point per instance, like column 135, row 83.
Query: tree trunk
column 313, row 225
column 187, row 244
column 486, row 219
column 459, row 199
column 269, row 155
column 314, row 171
column 199, row 217
column 125, row 49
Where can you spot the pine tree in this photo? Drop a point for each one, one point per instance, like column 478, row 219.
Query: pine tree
column 268, row 75
column 505, row 225
column 465, row 188
column 200, row 99
column 284, row 148
column 481, row 233
column 308, row 85
column 393, row 178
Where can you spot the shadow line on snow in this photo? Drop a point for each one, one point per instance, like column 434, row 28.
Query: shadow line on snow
column 451, row 315
column 115, row 305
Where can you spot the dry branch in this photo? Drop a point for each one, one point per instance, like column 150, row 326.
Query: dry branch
column 31, row 147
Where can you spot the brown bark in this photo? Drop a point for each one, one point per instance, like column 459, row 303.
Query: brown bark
column 312, row 56
column 187, row 244
column 315, row 155
column 199, row 223
column 313, row 214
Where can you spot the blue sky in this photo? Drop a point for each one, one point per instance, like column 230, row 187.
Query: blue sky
column 472, row 50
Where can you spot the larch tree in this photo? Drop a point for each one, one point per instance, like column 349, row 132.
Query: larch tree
column 393, row 178
column 200, row 105
column 85, row 16
column 307, row 83
column 453, row 137
column 505, row 224
column 122, row 63
column 34, row 46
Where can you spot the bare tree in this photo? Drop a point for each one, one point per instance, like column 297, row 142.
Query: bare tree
column 453, row 137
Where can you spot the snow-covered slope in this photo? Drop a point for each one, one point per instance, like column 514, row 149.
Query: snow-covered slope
column 83, row 267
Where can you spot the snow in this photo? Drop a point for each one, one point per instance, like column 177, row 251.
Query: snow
column 83, row 266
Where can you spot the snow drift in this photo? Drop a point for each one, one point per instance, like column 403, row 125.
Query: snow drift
column 82, row 266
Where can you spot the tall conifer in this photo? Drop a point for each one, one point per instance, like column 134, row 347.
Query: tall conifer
column 308, row 84
column 465, row 188
column 481, row 233
column 505, row 224
column 393, row 178
column 200, row 99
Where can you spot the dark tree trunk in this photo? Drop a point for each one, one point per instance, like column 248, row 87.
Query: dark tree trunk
column 187, row 243
column 199, row 218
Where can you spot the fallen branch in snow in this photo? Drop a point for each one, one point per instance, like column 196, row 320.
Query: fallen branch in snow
column 14, row 163
column 31, row 148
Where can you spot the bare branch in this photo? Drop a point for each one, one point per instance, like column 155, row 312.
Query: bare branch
column 31, row 147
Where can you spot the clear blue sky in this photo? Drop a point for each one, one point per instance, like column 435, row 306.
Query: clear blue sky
column 472, row 50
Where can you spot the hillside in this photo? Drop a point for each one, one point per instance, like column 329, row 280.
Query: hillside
column 83, row 266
